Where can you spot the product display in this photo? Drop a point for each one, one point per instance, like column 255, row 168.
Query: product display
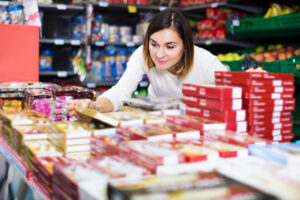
column 234, row 138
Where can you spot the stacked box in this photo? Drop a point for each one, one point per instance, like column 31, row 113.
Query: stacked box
column 32, row 94
column 88, row 179
column 106, row 143
column 157, row 132
column 17, row 95
column 11, row 96
column 35, row 149
column 26, row 133
column 70, row 137
column 284, row 155
column 11, row 119
column 67, row 178
column 236, row 138
column 54, row 109
column 225, row 149
column 271, row 177
column 204, row 185
column 151, row 154
column 194, row 152
column 83, row 93
column 268, row 100
column 200, row 124
column 43, row 171
column 220, row 103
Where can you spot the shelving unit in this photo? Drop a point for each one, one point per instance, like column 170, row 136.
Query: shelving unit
column 73, row 42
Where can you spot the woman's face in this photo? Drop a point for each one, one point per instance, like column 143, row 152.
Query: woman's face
column 166, row 48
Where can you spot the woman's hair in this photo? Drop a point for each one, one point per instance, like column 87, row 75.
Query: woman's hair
column 172, row 18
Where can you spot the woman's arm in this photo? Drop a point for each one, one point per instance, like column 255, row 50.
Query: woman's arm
column 127, row 83
column 113, row 98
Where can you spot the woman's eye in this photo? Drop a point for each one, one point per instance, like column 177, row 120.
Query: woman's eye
column 154, row 45
column 170, row 47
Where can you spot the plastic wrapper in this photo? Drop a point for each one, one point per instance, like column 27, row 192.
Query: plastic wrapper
column 156, row 103
column 15, row 13
column 3, row 15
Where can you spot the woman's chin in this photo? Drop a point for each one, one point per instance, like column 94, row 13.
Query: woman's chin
column 162, row 67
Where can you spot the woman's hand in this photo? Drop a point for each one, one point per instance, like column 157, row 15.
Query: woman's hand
column 87, row 103
column 258, row 69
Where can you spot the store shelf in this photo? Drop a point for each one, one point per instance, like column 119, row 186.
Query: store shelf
column 72, row 42
column 260, row 27
column 224, row 42
column 62, row 7
column 244, row 7
column 60, row 74
column 127, row 7
column 6, row 3
column 104, row 83
column 128, row 44
column 16, row 162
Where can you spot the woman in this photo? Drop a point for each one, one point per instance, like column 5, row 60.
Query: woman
column 169, row 59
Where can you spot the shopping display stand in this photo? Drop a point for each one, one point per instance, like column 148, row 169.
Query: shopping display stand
column 18, row 167
column 19, row 53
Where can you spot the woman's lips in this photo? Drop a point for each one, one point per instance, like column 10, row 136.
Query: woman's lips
column 162, row 62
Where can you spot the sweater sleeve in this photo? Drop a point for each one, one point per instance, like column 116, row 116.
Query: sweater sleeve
column 129, row 80
column 215, row 65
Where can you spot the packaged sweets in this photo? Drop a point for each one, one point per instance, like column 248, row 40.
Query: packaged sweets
column 15, row 13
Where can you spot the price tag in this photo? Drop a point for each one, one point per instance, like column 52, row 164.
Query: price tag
column 59, row 42
column 130, row 44
column 62, row 73
column 162, row 8
column 214, row 5
column 143, row 84
column 132, row 9
column 208, row 42
column 100, row 43
column 61, row 7
column 91, row 85
column 75, row 42
column 236, row 22
column 103, row 4
column 4, row 3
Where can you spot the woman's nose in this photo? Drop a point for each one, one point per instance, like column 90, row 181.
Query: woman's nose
column 160, row 53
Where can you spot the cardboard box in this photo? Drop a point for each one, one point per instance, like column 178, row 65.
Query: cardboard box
column 268, row 89
column 254, row 82
column 268, row 95
column 213, row 91
column 195, row 122
column 258, row 75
